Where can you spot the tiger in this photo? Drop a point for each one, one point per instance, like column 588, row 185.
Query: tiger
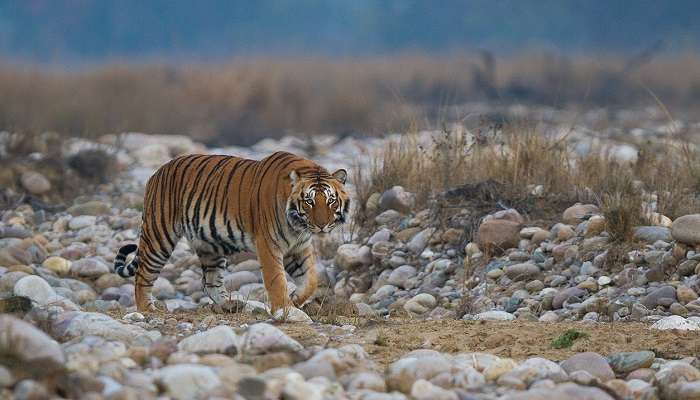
column 224, row 205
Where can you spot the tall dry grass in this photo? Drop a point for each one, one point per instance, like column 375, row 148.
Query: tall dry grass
column 242, row 101
column 512, row 161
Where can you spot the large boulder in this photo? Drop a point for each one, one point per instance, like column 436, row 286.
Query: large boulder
column 496, row 235
column 23, row 341
column 686, row 229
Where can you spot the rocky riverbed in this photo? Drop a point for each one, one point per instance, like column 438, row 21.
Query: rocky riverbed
column 406, row 309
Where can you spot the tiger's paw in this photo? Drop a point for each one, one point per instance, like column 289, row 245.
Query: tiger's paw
column 229, row 306
column 291, row 314
column 152, row 306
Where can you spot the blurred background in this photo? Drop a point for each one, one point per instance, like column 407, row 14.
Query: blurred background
column 232, row 72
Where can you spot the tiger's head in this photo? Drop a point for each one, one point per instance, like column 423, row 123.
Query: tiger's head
column 318, row 201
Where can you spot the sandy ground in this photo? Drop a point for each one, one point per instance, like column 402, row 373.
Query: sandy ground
column 386, row 340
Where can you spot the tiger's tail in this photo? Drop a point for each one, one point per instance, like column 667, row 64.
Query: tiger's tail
column 121, row 267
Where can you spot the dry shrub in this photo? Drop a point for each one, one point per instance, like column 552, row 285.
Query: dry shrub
column 69, row 177
column 498, row 166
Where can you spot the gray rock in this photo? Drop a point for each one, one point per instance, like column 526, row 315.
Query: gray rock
column 89, row 268
column 416, row 365
column 36, row 289
column 220, row 339
column 563, row 295
column 352, row 256
column 593, row 363
column 70, row 325
column 400, row 276
column 651, row 234
column 234, row 281
column 187, row 381
column 388, row 217
column 525, row 271
column 397, row 199
column 568, row 391
column 382, row 235
column 420, row 241
column 81, row 222
column 420, row 303
column 579, row 212
column 625, row 362
column 264, row 338
column 27, row 343
column 656, row 296
column 536, row 368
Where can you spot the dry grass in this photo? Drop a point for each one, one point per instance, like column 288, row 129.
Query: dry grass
column 243, row 101
column 499, row 166
column 69, row 177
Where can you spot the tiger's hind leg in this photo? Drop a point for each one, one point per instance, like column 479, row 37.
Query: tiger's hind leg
column 213, row 266
column 151, row 261
column 302, row 264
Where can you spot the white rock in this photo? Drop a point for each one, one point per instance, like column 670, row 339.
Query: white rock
column 36, row 289
column 264, row 338
column 494, row 315
column 292, row 314
column 676, row 322
column 220, row 339
column 604, row 280
column 187, row 381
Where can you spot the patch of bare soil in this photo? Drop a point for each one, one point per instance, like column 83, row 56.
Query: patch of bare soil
column 387, row 340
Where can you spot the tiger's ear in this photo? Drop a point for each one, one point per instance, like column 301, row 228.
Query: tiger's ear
column 341, row 175
column 294, row 177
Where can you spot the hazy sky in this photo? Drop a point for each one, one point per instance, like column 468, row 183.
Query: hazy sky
column 98, row 30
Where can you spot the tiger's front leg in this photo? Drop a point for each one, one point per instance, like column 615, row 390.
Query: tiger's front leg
column 273, row 276
column 302, row 264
